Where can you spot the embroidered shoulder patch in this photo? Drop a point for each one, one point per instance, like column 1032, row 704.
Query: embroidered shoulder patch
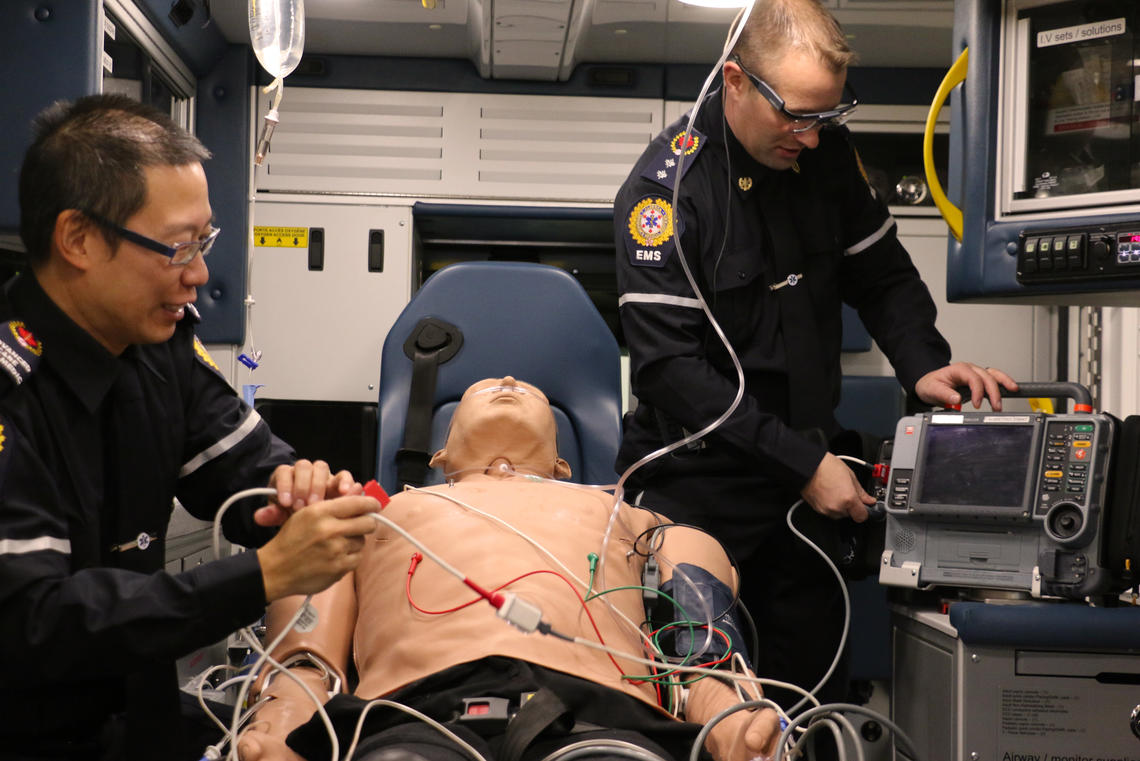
column 20, row 351
column 205, row 358
column 652, row 232
column 663, row 168
column 4, row 456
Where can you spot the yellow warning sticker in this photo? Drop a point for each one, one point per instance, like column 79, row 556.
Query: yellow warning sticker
column 281, row 237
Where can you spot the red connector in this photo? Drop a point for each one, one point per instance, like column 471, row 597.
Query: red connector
column 880, row 472
column 376, row 491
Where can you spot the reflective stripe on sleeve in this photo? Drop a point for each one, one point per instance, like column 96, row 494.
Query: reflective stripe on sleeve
column 221, row 447
column 657, row 298
column 24, row 546
column 871, row 239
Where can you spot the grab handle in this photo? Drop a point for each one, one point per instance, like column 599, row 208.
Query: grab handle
column 951, row 213
column 1082, row 399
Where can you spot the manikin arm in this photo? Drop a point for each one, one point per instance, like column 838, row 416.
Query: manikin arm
column 744, row 735
column 329, row 643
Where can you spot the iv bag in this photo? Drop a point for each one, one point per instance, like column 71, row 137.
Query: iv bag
column 277, row 34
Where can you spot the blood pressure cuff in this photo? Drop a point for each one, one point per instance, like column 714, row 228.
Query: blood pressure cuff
column 706, row 595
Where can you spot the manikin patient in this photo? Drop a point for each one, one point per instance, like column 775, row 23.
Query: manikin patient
column 413, row 639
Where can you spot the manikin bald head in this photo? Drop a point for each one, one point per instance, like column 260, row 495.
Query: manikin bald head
column 502, row 421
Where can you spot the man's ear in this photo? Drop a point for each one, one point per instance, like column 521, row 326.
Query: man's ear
column 438, row 459
column 74, row 238
column 561, row 468
column 734, row 78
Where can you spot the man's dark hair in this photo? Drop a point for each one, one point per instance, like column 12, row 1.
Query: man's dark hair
column 90, row 155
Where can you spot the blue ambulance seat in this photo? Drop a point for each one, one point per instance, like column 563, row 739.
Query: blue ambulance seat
column 531, row 321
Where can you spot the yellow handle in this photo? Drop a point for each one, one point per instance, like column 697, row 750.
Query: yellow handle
column 951, row 213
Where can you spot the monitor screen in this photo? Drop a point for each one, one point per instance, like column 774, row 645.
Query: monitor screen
column 976, row 465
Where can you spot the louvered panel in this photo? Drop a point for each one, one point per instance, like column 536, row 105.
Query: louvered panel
column 356, row 141
column 561, row 148
column 457, row 145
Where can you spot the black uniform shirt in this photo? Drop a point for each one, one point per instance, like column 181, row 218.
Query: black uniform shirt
column 93, row 450
column 775, row 254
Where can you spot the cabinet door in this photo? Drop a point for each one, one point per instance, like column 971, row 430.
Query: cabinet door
column 320, row 329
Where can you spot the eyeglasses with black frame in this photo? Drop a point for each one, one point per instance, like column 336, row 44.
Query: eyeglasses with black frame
column 802, row 122
column 179, row 253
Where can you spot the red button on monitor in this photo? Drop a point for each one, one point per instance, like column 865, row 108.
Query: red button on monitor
column 1080, row 454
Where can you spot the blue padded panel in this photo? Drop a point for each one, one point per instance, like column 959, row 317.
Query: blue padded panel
column 531, row 321
column 1047, row 625
column 855, row 336
column 872, row 404
column 223, row 111
column 58, row 58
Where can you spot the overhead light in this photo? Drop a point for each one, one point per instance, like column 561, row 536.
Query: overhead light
column 717, row 3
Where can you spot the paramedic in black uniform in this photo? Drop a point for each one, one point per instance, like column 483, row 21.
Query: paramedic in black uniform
column 779, row 228
column 109, row 409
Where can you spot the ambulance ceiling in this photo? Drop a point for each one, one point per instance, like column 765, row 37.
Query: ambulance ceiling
column 546, row 39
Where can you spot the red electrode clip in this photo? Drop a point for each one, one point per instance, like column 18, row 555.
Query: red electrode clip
column 376, row 491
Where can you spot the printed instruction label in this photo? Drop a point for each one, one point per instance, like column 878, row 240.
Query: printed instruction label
column 281, row 237
column 1040, row 713
column 1056, row 724
column 1081, row 32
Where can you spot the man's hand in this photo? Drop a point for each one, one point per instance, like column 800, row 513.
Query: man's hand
column 300, row 484
column 834, row 491
column 940, row 386
column 316, row 546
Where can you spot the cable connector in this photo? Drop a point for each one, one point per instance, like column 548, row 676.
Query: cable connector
column 376, row 491
column 519, row 613
column 650, row 580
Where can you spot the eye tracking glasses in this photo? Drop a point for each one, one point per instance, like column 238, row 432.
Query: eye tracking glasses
column 179, row 253
column 802, row 122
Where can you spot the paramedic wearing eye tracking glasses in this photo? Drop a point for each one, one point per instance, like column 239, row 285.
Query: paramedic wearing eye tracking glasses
column 109, row 409
column 779, row 228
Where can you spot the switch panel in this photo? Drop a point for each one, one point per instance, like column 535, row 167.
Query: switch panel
column 1091, row 253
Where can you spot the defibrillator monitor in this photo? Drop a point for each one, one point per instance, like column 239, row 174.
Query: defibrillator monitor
column 1001, row 500
column 976, row 465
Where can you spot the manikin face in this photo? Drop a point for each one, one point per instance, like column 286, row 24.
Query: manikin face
column 134, row 295
column 502, row 420
column 806, row 84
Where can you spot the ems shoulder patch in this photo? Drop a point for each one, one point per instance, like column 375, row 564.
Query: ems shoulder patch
column 652, row 232
column 5, row 456
column 663, row 168
column 205, row 358
column 20, row 351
